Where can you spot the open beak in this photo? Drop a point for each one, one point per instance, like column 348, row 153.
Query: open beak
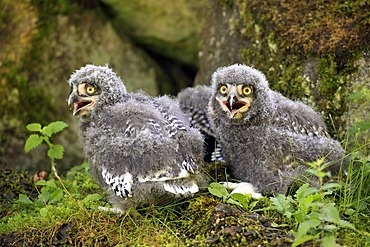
column 235, row 106
column 81, row 105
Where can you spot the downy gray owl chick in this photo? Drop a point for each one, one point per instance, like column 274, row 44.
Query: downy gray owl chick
column 194, row 102
column 265, row 137
column 141, row 149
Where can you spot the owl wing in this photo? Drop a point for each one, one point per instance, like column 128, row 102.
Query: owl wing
column 139, row 129
column 299, row 118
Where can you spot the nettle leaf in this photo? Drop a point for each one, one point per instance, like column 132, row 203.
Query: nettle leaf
column 283, row 204
column 34, row 127
column 32, row 142
column 55, row 127
column 331, row 214
column 304, row 191
column 218, row 190
column 56, row 152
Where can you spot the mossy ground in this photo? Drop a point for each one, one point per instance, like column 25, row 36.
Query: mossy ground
column 204, row 220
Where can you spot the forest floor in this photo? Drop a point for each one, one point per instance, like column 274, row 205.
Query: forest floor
column 51, row 213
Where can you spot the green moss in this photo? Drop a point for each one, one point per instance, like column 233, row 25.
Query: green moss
column 283, row 39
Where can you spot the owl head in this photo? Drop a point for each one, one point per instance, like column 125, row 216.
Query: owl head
column 93, row 86
column 240, row 91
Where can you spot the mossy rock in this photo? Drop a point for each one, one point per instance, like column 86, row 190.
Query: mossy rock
column 42, row 44
column 309, row 57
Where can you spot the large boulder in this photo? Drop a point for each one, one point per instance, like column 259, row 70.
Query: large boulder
column 313, row 51
column 168, row 28
column 42, row 43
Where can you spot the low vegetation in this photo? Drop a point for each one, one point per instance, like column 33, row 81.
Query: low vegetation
column 62, row 211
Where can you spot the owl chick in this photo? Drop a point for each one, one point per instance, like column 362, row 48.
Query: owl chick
column 141, row 149
column 194, row 102
column 266, row 138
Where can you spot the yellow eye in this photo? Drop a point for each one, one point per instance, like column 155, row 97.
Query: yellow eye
column 247, row 90
column 90, row 89
column 223, row 89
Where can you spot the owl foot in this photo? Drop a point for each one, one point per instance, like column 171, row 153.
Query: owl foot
column 242, row 188
column 109, row 209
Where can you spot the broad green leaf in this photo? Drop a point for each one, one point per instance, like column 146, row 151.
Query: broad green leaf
column 44, row 196
column 304, row 191
column 329, row 241
column 44, row 212
column 55, row 127
column 92, row 197
column 32, row 142
column 56, row 152
column 357, row 96
column 35, row 127
column 242, row 199
column 41, row 182
column 302, row 236
column 282, row 204
column 218, row 190
column 331, row 214
column 24, row 199
column 51, row 184
column 56, row 196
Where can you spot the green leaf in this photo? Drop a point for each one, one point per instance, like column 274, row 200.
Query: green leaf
column 44, row 197
column 51, row 183
column 44, row 212
column 282, row 205
column 34, row 127
column 331, row 214
column 350, row 211
column 357, row 96
column 92, row 197
column 41, row 182
column 330, row 186
column 218, row 190
column 304, row 191
column 329, row 241
column 32, row 142
column 302, row 236
column 56, row 152
column 24, row 199
column 241, row 199
column 317, row 173
column 54, row 128
column 56, row 196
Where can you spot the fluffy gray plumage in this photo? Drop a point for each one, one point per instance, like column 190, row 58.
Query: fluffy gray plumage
column 142, row 150
column 194, row 102
column 265, row 137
